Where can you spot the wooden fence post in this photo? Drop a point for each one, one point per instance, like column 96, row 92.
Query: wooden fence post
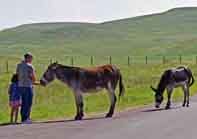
column 128, row 61
column 7, row 66
column 180, row 59
column 91, row 60
column 51, row 61
column 164, row 60
column 146, row 59
column 196, row 59
column 110, row 60
column 72, row 61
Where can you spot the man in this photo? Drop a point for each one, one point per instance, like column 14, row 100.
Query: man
column 27, row 77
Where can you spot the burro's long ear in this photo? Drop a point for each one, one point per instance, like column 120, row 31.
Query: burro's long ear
column 155, row 90
column 55, row 65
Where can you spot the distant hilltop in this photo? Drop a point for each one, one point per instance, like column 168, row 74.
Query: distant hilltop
column 169, row 33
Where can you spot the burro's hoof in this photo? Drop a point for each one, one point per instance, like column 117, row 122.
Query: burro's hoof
column 109, row 115
column 167, row 107
column 157, row 106
column 78, row 117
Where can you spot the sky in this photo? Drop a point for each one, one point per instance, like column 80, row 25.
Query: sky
column 17, row 12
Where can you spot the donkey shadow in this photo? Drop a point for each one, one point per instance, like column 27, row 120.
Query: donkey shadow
column 161, row 109
column 70, row 120
column 55, row 121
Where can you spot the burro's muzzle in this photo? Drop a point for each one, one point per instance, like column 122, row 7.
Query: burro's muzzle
column 43, row 82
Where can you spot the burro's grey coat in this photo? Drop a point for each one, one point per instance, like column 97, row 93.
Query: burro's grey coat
column 86, row 80
column 170, row 79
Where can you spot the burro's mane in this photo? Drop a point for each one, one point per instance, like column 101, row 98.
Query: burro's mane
column 164, row 81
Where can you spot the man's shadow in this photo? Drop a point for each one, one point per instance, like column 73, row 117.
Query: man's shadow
column 55, row 121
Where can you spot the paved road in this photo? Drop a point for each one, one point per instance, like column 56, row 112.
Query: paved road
column 145, row 123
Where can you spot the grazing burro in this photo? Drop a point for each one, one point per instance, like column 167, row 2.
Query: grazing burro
column 170, row 79
column 86, row 80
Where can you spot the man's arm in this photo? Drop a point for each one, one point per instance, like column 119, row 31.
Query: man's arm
column 34, row 79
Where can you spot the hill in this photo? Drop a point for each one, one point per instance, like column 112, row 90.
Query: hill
column 169, row 33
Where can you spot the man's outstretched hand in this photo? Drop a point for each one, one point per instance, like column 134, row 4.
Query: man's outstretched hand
column 36, row 83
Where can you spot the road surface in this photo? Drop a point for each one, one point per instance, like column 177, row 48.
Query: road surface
column 144, row 123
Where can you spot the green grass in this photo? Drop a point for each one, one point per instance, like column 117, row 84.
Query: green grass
column 56, row 101
column 170, row 34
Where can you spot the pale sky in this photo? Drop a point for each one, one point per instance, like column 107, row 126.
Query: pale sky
column 17, row 12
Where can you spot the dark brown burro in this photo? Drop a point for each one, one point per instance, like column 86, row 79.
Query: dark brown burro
column 86, row 80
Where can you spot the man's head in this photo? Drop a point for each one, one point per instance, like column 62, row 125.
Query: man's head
column 28, row 57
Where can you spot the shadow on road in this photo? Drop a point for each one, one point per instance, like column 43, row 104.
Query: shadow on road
column 160, row 109
column 6, row 124
column 64, row 121
column 55, row 121
column 153, row 110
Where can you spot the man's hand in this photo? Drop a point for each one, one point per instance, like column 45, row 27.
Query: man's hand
column 36, row 83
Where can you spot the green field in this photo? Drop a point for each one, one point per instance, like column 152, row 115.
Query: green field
column 167, row 34
column 56, row 101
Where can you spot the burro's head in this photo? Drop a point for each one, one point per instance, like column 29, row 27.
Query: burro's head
column 49, row 74
column 158, row 97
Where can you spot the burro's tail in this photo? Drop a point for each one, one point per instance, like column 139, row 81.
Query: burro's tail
column 191, row 77
column 121, row 86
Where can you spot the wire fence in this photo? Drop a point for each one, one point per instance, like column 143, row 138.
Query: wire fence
column 129, row 60
column 10, row 65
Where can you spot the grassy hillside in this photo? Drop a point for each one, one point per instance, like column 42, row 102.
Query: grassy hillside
column 169, row 33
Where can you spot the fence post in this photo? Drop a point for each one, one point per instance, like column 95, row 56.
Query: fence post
column 72, row 61
column 146, row 59
column 180, row 59
column 196, row 59
column 128, row 61
column 51, row 61
column 91, row 60
column 7, row 66
column 164, row 60
column 110, row 60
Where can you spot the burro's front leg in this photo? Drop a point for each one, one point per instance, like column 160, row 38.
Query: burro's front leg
column 113, row 99
column 79, row 105
column 185, row 95
column 188, row 95
column 169, row 93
